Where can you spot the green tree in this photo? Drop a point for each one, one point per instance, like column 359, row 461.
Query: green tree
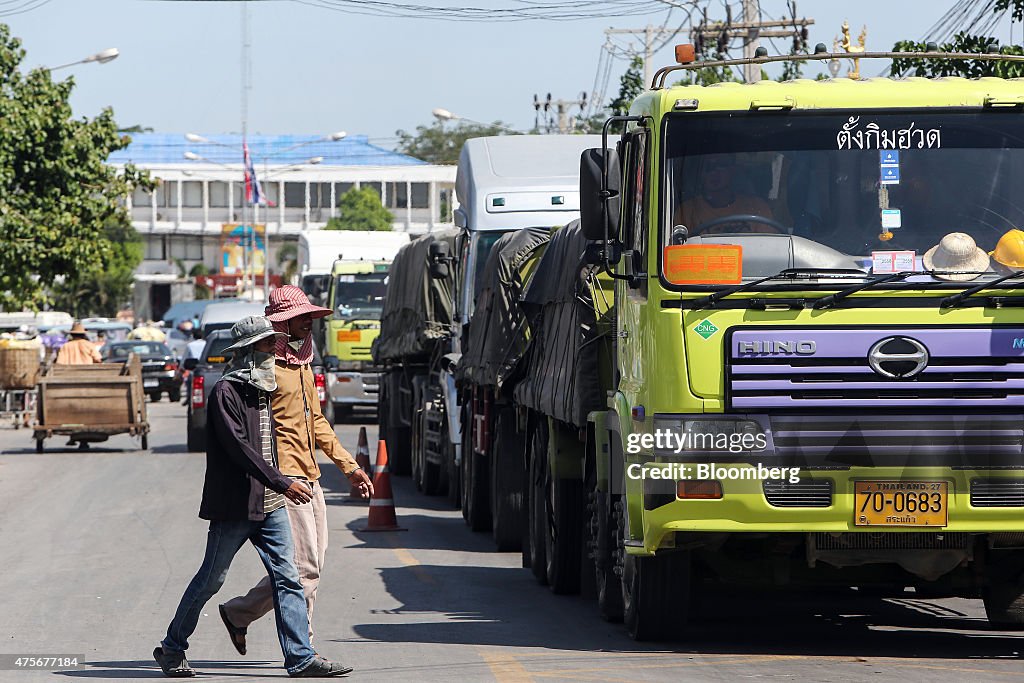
column 965, row 42
column 631, row 85
column 441, row 143
column 58, row 197
column 361, row 209
column 108, row 289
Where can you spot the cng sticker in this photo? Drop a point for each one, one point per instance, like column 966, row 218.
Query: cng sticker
column 705, row 328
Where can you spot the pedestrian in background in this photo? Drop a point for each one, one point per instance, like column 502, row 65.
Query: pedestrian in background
column 244, row 497
column 78, row 350
column 301, row 428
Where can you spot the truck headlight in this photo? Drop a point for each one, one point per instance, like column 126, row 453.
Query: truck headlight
column 678, row 435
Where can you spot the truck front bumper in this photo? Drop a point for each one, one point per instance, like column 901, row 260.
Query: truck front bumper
column 353, row 388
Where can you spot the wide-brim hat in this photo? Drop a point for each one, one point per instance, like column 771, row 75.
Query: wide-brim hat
column 250, row 330
column 959, row 256
column 78, row 329
column 289, row 301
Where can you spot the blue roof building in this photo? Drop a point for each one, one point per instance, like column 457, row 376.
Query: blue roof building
column 201, row 190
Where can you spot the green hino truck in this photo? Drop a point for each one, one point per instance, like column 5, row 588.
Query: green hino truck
column 783, row 345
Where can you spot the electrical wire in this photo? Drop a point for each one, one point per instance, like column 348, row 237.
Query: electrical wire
column 29, row 6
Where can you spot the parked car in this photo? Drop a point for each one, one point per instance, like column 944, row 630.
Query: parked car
column 189, row 310
column 221, row 316
column 159, row 366
column 208, row 368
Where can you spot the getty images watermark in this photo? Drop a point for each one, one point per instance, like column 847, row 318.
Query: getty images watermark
column 678, row 442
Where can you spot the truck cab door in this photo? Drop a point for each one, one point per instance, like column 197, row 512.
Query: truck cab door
column 631, row 291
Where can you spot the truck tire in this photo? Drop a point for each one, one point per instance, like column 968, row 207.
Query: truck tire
column 507, row 482
column 453, row 488
column 1004, row 594
column 416, row 438
column 467, row 449
column 656, row 595
column 476, row 478
column 195, row 439
column 537, row 516
column 564, row 534
column 604, row 548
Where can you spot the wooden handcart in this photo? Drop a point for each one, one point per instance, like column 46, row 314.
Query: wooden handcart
column 90, row 403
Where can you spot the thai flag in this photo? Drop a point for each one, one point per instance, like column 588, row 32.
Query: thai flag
column 253, row 191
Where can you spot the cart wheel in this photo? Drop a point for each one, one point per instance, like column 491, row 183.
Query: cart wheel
column 145, row 442
column 39, row 445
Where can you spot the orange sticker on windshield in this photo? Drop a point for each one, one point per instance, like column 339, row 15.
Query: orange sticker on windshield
column 348, row 335
column 704, row 264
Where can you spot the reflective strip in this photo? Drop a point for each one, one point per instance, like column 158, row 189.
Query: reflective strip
column 376, row 502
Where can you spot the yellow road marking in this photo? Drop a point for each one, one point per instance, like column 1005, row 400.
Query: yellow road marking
column 406, row 558
column 505, row 667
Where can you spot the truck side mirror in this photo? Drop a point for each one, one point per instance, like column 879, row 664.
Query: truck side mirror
column 439, row 254
column 190, row 363
column 599, row 206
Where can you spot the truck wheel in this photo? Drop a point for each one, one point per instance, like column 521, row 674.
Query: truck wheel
column 537, row 517
column 564, row 534
column 454, row 489
column 416, row 441
column 39, row 445
column 174, row 396
column 506, row 484
column 399, row 442
column 1004, row 594
column 145, row 442
column 467, row 449
column 195, row 438
column 477, row 482
column 656, row 595
column 604, row 546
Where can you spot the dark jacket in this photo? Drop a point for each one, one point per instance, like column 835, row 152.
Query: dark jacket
column 236, row 473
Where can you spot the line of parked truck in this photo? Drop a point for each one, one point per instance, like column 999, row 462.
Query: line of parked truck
column 722, row 271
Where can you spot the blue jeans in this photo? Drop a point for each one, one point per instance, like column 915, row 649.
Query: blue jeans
column 273, row 540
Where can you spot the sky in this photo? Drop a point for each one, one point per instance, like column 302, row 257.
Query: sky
column 316, row 70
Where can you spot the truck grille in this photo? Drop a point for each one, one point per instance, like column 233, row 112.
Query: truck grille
column 997, row 493
column 890, row 541
column 829, row 368
column 951, row 439
column 807, row 493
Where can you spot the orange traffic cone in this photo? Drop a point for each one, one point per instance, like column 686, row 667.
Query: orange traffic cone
column 363, row 460
column 382, row 505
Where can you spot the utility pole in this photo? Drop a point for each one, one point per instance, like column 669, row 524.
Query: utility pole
column 650, row 34
column 560, row 108
column 751, row 15
column 751, row 30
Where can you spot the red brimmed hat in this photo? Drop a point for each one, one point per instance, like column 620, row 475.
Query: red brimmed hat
column 289, row 301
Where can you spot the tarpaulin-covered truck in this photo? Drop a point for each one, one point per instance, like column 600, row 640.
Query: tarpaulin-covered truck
column 416, row 323
column 491, row 365
column 809, row 365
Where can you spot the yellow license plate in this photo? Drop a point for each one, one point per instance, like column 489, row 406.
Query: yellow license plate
column 901, row 503
column 348, row 335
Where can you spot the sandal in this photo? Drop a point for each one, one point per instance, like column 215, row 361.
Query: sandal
column 236, row 634
column 174, row 665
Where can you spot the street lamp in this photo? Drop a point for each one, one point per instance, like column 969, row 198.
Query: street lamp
column 445, row 115
column 101, row 57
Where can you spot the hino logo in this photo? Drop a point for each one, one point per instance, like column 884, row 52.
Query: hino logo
column 898, row 357
column 802, row 347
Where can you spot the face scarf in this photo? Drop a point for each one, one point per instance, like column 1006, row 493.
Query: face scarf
column 253, row 367
column 293, row 351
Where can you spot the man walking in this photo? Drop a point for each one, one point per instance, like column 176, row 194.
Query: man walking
column 301, row 428
column 243, row 497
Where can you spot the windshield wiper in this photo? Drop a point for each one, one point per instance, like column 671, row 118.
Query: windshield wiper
column 831, row 299
column 787, row 274
column 957, row 299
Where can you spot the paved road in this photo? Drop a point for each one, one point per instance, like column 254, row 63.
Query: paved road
column 99, row 545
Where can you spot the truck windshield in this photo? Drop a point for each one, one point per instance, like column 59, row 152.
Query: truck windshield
column 872, row 191
column 359, row 296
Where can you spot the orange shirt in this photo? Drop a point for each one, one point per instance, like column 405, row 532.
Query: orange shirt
column 78, row 352
column 697, row 211
column 301, row 431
